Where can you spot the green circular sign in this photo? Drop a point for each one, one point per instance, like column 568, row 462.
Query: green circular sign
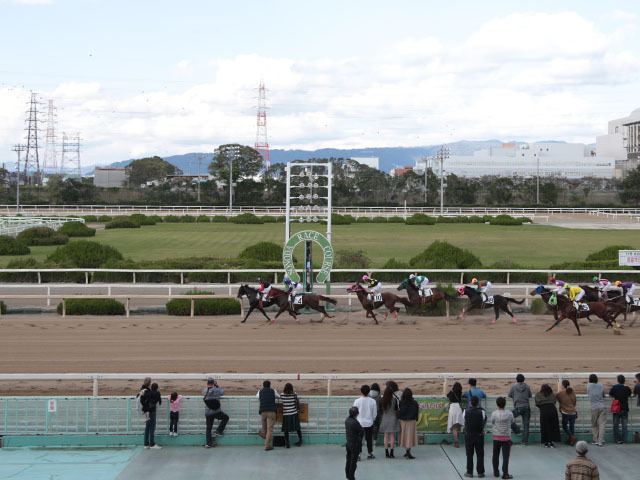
column 307, row 235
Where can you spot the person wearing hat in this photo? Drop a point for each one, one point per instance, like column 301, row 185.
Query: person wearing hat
column 373, row 284
column 581, row 467
column 575, row 295
column 421, row 282
column 293, row 289
column 211, row 397
column 482, row 287
column 627, row 289
column 603, row 285
column 560, row 286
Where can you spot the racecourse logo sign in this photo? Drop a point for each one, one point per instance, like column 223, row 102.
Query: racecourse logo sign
column 327, row 252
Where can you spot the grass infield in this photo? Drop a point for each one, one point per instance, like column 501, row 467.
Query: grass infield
column 535, row 246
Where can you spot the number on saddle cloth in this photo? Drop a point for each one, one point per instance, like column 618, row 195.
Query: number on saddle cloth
column 581, row 308
column 377, row 297
column 488, row 299
column 427, row 292
column 297, row 300
column 636, row 302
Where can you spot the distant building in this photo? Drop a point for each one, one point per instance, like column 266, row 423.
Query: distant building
column 570, row 160
column 401, row 171
column 109, row 177
column 622, row 142
column 372, row 162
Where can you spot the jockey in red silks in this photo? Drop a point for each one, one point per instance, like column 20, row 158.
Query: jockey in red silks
column 265, row 287
column 560, row 286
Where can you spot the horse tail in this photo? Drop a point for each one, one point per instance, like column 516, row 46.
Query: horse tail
column 450, row 298
column 327, row 299
column 509, row 299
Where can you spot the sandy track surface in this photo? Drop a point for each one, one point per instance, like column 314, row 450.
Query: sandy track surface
column 348, row 343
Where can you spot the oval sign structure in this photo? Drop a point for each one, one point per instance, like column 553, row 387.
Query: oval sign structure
column 307, row 235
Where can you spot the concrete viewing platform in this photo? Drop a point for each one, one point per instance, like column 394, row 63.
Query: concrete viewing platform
column 322, row 462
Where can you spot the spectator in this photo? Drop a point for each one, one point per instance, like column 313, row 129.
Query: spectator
column 375, row 394
column 394, row 388
column 290, row 414
column 595, row 391
column 567, row 401
column 549, row 428
column 174, row 413
column 636, row 389
column 390, row 424
column 474, row 392
column 581, row 468
column 474, row 420
column 408, row 418
column 153, row 400
column 142, row 397
column 366, row 416
column 521, row 393
column 211, row 397
column 267, row 411
column 621, row 393
column 456, row 418
column 355, row 432
column 501, row 420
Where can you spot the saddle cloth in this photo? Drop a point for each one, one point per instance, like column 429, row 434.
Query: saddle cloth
column 636, row 302
column 489, row 300
column 376, row 298
column 297, row 300
column 581, row 308
column 427, row 292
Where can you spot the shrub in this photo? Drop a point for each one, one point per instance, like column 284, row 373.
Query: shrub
column 206, row 306
column 444, row 255
column 104, row 218
column 12, row 246
column 155, row 218
column 265, row 251
column 204, row 219
column 3, row 308
column 90, row 218
column 171, row 219
column 337, row 219
column 607, row 253
column 219, row 219
column 21, row 277
column 476, row 219
column 92, row 306
column 248, row 218
column 269, row 219
column 395, row 220
column 77, row 229
column 187, row 219
column 364, row 220
column 420, row 219
column 121, row 222
column 141, row 219
column 40, row 236
column 281, row 219
column 379, row 220
column 505, row 220
column 538, row 307
column 352, row 259
column 84, row 254
column 392, row 263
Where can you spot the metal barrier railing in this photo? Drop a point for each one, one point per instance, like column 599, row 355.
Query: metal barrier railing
column 14, row 225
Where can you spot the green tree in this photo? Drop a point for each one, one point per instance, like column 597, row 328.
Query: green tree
column 460, row 190
column 630, row 187
column 70, row 190
column 144, row 170
column 247, row 162
column 501, row 191
column 548, row 193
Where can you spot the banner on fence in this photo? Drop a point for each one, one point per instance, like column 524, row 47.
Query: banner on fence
column 433, row 415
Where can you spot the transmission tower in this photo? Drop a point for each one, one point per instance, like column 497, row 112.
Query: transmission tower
column 32, row 159
column 70, row 155
column 50, row 161
column 262, row 143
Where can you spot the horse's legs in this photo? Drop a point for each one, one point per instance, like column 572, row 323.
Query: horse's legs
column 282, row 309
column 265, row 314
column 575, row 322
column 251, row 308
column 562, row 317
column 371, row 314
column 509, row 312
column 322, row 310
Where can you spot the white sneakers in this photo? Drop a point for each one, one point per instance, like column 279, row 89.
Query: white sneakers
column 173, row 434
column 155, row 447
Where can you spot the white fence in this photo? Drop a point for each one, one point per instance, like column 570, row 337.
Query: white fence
column 14, row 225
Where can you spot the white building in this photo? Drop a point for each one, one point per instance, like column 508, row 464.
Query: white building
column 372, row 162
column 570, row 160
column 109, row 177
column 622, row 142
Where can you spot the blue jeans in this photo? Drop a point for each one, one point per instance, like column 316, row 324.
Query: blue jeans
column 568, row 423
column 525, row 413
column 150, row 430
column 617, row 418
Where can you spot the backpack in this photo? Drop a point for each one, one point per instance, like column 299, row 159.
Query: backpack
column 142, row 402
column 615, row 406
column 211, row 403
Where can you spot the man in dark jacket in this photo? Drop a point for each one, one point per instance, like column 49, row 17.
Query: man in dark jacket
column 354, row 432
column 621, row 393
column 267, row 411
column 521, row 393
column 474, row 421
column 153, row 399
column 213, row 410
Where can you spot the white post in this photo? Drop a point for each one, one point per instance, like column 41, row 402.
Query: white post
column 95, row 386
column 288, row 203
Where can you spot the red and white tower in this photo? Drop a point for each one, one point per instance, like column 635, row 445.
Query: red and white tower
column 262, row 142
column 50, row 160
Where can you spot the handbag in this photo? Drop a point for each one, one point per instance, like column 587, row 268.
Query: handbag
column 615, row 406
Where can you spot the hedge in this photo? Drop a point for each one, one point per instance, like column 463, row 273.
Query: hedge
column 248, row 218
column 187, row 219
column 84, row 254
column 12, row 246
column 121, row 222
column 203, row 219
column 538, row 307
column 142, row 219
column 104, row 218
column 507, row 220
column 337, row 219
column 206, row 306
column 92, row 306
column 77, row 229
column 90, row 218
column 3, row 308
column 219, row 219
column 607, row 253
column 265, row 251
column 269, row 219
column 171, row 219
column 41, row 236
column 420, row 219
column 444, row 255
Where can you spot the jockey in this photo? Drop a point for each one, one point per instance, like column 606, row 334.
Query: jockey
column 421, row 282
column 373, row 284
column 292, row 288
column 627, row 289
column 482, row 287
column 265, row 287
column 575, row 295
column 560, row 286
column 603, row 285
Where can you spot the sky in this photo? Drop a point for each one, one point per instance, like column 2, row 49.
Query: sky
column 139, row 78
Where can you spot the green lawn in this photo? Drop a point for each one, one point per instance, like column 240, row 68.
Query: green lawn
column 531, row 245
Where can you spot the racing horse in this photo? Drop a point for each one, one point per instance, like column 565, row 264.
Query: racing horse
column 566, row 309
column 255, row 302
column 476, row 301
column 387, row 299
column 308, row 300
column 417, row 301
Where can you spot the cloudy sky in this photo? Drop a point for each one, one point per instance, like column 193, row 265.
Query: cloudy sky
column 140, row 78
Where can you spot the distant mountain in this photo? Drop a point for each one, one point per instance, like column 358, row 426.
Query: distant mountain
column 390, row 157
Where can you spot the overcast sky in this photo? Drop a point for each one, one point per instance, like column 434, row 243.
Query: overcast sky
column 140, row 78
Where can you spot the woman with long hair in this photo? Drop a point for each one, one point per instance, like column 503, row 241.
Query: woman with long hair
column 549, row 427
column 456, row 418
column 408, row 418
column 390, row 424
column 290, row 414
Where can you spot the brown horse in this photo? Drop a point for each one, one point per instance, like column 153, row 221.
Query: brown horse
column 417, row 301
column 308, row 301
column 387, row 299
column 476, row 300
column 567, row 310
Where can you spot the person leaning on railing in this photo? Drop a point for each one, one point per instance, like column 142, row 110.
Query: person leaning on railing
column 595, row 391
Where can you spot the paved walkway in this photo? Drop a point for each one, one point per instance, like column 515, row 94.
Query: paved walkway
column 321, row 462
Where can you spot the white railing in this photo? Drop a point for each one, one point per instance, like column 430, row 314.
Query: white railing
column 14, row 225
column 445, row 377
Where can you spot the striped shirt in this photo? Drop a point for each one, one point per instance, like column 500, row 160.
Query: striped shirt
column 288, row 403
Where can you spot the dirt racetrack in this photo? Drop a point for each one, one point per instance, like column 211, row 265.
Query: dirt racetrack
column 48, row 343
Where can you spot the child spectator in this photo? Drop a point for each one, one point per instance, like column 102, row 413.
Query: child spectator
column 501, row 420
column 174, row 413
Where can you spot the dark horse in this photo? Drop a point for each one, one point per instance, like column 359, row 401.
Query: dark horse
column 388, row 299
column 417, row 301
column 254, row 301
column 281, row 298
column 566, row 309
column 476, row 301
